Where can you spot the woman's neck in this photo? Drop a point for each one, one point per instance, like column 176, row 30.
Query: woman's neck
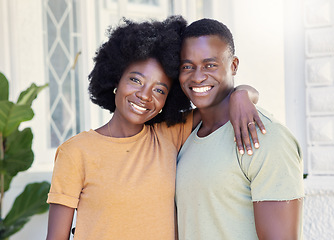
column 119, row 128
column 122, row 129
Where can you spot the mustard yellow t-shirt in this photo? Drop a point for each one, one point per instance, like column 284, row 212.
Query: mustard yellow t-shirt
column 123, row 188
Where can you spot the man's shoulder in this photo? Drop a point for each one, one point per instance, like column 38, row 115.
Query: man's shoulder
column 275, row 170
column 278, row 137
column 267, row 117
column 272, row 125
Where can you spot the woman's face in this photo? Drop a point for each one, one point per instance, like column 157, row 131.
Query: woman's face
column 141, row 92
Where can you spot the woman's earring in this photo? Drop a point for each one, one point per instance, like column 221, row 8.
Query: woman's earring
column 115, row 90
column 160, row 110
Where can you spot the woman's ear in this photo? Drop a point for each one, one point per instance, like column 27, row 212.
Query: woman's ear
column 234, row 65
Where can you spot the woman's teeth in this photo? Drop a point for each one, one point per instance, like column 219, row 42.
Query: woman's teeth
column 138, row 107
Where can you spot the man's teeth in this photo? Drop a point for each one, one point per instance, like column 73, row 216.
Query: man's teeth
column 138, row 107
column 201, row 89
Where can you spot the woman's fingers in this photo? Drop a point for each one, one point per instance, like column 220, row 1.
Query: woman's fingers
column 242, row 138
column 238, row 139
column 246, row 140
column 260, row 124
column 246, row 132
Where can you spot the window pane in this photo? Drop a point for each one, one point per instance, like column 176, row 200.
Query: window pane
column 61, row 46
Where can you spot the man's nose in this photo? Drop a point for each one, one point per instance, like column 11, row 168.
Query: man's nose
column 199, row 75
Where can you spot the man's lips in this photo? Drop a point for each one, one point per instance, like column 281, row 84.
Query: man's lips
column 201, row 89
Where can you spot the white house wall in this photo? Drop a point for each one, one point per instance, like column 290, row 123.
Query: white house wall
column 319, row 82
column 288, row 76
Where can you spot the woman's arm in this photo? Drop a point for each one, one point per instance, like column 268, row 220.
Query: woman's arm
column 242, row 112
column 60, row 222
column 244, row 117
column 253, row 94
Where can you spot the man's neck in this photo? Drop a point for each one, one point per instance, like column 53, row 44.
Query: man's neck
column 214, row 117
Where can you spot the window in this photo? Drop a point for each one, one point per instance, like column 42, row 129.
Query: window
column 62, row 47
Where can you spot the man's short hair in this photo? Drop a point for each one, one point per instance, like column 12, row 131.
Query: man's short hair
column 205, row 27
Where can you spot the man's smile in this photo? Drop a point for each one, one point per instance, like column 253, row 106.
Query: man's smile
column 201, row 89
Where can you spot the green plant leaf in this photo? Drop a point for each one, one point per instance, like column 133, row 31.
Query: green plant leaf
column 2, row 230
column 18, row 153
column 30, row 202
column 11, row 115
column 28, row 96
column 18, row 156
column 4, row 87
column 7, row 180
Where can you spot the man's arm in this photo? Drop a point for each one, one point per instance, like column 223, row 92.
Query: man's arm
column 276, row 180
column 278, row 219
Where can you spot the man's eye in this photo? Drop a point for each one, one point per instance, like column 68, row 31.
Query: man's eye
column 135, row 80
column 187, row 67
column 210, row 65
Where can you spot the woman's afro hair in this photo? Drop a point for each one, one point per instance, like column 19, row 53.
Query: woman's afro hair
column 132, row 42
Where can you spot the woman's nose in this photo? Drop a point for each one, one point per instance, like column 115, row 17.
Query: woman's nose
column 145, row 94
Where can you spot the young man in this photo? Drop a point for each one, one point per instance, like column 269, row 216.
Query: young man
column 221, row 194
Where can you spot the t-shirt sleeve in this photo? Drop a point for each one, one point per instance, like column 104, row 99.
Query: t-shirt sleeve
column 275, row 170
column 67, row 179
column 182, row 131
column 178, row 133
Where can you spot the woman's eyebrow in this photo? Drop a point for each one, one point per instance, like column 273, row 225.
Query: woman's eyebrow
column 134, row 72
column 163, row 84
column 159, row 83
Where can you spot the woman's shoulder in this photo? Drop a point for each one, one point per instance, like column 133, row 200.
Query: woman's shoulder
column 82, row 139
column 164, row 127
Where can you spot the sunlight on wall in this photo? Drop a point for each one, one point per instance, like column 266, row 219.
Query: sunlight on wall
column 258, row 31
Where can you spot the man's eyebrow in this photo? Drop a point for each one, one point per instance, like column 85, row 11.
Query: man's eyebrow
column 159, row 83
column 183, row 61
column 213, row 59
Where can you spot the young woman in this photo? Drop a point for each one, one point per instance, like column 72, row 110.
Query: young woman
column 121, row 176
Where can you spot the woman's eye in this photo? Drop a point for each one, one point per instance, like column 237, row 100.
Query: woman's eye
column 135, row 80
column 160, row 91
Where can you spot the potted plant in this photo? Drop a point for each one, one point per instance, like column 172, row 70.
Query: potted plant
column 16, row 156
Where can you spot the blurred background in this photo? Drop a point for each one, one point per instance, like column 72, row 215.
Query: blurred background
column 285, row 48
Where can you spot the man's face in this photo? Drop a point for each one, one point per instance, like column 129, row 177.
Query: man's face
column 207, row 70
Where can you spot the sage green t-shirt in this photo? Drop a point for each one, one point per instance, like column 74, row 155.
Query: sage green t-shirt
column 216, row 186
